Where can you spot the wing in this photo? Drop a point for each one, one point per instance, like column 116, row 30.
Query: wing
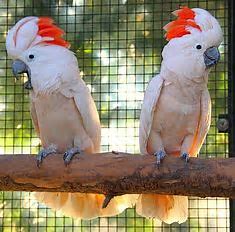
column 34, row 118
column 88, row 111
column 151, row 96
column 204, row 123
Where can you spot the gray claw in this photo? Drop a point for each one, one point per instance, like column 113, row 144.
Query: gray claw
column 43, row 154
column 185, row 156
column 28, row 85
column 160, row 156
column 115, row 152
column 39, row 159
column 69, row 154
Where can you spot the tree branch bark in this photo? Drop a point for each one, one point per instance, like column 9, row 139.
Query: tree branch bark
column 120, row 173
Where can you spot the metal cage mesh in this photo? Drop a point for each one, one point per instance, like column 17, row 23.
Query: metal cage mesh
column 118, row 44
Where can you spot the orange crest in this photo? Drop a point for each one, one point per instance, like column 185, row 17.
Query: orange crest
column 46, row 28
column 179, row 27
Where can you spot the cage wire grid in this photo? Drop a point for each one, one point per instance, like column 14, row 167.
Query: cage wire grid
column 118, row 44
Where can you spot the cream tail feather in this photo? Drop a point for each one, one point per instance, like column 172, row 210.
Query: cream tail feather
column 165, row 208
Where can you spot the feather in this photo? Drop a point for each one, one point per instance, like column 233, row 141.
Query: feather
column 185, row 13
column 83, row 115
column 85, row 205
column 166, row 208
column 181, row 25
column 48, row 29
column 203, row 125
column 151, row 96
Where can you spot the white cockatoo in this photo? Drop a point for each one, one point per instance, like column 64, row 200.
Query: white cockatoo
column 63, row 111
column 176, row 111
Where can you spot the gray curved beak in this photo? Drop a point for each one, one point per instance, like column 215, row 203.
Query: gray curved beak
column 211, row 56
column 19, row 67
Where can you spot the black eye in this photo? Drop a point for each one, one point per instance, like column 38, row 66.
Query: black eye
column 31, row 56
column 199, row 47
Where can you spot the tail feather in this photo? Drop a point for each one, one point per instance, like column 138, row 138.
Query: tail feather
column 86, row 205
column 51, row 199
column 167, row 208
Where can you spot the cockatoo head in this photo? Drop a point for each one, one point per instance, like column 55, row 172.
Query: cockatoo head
column 37, row 48
column 194, row 38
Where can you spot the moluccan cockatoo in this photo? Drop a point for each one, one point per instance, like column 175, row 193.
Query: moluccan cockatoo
column 63, row 111
column 176, row 111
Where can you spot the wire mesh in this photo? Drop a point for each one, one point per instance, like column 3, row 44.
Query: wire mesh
column 118, row 44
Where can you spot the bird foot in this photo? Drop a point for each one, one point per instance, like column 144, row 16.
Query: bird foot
column 44, row 153
column 70, row 153
column 28, row 85
column 115, row 152
column 185, row 156
column 160, row 156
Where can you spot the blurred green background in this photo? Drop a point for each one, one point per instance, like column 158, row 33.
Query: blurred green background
column 118, row 44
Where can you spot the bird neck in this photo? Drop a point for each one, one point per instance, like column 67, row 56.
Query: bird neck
column 185, row 86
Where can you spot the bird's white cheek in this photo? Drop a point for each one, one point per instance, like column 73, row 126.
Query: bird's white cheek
column 45, row 83
column 200, row 66
column 177, row 65
column 195, row 71
column 36, row 81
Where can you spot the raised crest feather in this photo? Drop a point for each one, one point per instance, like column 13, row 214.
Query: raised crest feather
column 180, row 26
column 47, row 29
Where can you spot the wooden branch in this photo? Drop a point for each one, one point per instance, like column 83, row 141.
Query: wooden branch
column 121, row 173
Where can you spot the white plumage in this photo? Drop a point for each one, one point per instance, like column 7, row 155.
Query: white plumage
column 176, row 111
column 63, row 111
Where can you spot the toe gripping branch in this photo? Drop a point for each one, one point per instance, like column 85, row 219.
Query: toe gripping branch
column 160, row 156
column 185, row 156
column 44, row 153
column 70, row 153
